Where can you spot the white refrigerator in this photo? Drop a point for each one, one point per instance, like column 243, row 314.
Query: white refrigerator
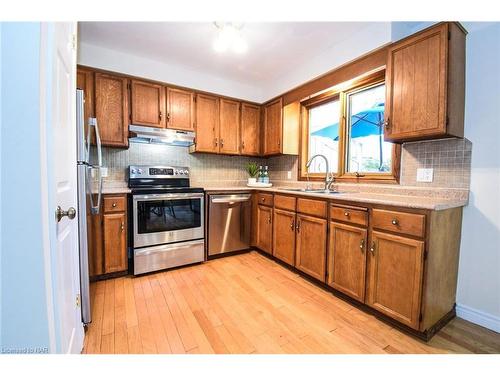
column 89, row 163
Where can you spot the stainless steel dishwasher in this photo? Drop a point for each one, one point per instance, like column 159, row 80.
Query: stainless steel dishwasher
column 229, row 223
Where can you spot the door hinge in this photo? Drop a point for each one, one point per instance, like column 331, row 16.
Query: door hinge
column 73, row 42
column 78, row 300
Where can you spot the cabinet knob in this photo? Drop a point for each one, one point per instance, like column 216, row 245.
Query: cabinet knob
column 298, row 226
column 215, row 142
column 347, row 213
column 221, row 143
column 113, row 205
column 395, row 221
column 122, row 227
column 372, row 248
column 269, row 219
column 168, row 116
column 387, row 123
column 292, row 225
column 362, row 244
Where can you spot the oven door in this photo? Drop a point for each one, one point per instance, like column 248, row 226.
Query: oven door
column 166, row 218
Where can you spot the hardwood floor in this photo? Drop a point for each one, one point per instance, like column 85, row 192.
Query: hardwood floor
column 250, row 304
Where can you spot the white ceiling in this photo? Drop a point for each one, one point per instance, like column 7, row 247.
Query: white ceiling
column 275, row 53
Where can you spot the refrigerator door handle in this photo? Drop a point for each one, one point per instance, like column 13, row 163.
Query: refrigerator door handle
column 94, row 206
column 93, row 123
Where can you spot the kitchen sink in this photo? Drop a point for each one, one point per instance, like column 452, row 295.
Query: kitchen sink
column 317, row 191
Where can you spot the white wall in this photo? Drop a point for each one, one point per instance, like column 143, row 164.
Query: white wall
column 117, row 61
column 478, row 294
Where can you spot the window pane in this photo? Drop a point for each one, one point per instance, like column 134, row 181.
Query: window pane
column 324, row 136
column 367, row 151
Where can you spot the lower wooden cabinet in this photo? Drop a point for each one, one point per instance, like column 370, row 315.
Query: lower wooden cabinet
column 115, row 242
column 264, row 228
column 310, row 255
column 284, row 236
column 108, row 247
column 347, row 259
column 395, row 277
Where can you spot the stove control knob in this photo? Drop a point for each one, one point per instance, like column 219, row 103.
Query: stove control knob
column 133, row 171
column 139, row 171
column 181, row 172
column 176, row 172
column 186, row 172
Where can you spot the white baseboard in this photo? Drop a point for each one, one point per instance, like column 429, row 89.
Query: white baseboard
column 478, row 317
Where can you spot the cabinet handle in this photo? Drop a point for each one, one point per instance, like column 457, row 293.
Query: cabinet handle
column 279, row 142
column 215, row 142
column 122, row 227
column 372, row 249
column 113, row 205
column 387, row 123
column 168, row 116
column 221, row 143
column 395, row 221
column 242, row 144
column 347, row 213
column 269, row 220
column 298, row 226
column 292, row 225
column 160, row 115
column 362, row 244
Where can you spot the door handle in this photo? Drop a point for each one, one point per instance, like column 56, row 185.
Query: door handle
column 122, row 227
column 372, row 248
column 298, row 226
column 362, row 244
column 292, row 225
column 60, row 213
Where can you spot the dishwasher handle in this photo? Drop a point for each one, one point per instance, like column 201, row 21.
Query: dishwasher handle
column 230, row 198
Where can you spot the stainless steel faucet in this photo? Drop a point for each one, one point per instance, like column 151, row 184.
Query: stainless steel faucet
column 329, row 179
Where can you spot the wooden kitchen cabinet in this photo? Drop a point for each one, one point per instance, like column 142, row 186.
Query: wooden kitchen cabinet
column 310, row 252
column 425, row 85
column 108, row 237
column 264, row 228
column 284, row 236
column 111, row 109
column 207, row 124
column 229, row 127
column 347, row 259
column 180, row 109
column 85, row 82
column 273, row 127
column 395, row 277
column 250, row 129
column 148, row 104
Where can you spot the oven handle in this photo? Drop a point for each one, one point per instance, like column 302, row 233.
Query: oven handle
column 151, row 197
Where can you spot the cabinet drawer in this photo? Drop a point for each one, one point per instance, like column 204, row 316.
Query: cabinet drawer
column 285, row 202
column 399, row 222
column 114, row 203
column 349, row 214
column 265, row 198
column 312, row 207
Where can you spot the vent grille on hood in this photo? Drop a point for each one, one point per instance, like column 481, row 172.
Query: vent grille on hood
column 145, row 134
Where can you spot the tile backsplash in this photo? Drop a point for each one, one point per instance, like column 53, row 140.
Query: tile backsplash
column 449, row 158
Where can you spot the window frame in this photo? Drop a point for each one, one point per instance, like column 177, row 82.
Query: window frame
column 341, row 93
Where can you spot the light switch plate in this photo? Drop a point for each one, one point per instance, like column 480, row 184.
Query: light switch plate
column 425, row 174
column 289, row 175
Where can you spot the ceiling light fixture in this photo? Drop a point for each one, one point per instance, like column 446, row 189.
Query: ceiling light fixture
column 229, row 38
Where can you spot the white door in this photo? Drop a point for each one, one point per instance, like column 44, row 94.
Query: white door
column 61, row 48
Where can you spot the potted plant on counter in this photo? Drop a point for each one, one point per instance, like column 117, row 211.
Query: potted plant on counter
column 252, row 170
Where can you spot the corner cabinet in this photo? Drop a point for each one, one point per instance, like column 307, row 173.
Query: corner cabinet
column 111, row 109
column 425, row 85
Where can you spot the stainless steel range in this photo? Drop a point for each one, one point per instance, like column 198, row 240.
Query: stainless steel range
column 167, row 218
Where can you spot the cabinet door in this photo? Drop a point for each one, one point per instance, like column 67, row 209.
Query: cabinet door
column 250, row 129
column 180, row 109
column 229, row 127
column 111, row 109
column 395, row 277
column 273, row 127
column 310, row 254
column 207, row 123
column 85, row 82
column 347, row 260
column 264, row 228
column 148, row 104
column 284, row 236
column 416, row 84
column 115, row 242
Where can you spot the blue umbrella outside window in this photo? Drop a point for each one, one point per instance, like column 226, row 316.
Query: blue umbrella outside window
column 364, row 123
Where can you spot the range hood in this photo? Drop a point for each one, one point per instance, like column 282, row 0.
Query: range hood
column 145, row 134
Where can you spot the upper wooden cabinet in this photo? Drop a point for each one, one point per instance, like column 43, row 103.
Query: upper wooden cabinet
column 148, row 104
column 180, row 109
column 425, row 85
column 85, row 82
column 250, row 129
column 273, row 127
column 207, row 123
column 229, row 127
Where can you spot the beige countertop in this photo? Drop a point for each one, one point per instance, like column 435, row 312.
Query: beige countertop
column 408, row 201
column 407, row 197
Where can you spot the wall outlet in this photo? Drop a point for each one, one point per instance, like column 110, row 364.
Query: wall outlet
column 289, row 175
column 425, row 174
